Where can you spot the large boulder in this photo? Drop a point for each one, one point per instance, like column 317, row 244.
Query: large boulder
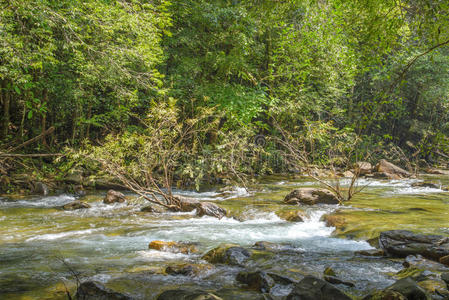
column 386, row 167
column 312, row 288
column 182, row 294
column 227, row 254
column 210, row 209
column 401, row 243
column 311, row 196
column 76, row 205
column 92, row 290
column 174, row 247
column 114, row 197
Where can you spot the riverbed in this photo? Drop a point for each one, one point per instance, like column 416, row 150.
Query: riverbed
column 42, row 246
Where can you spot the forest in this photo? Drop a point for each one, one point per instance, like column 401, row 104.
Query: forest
column 224, row 149
column 225, row 73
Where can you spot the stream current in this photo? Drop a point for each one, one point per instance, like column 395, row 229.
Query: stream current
column 42, row 246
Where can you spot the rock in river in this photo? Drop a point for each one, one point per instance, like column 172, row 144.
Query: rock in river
column 401, row 243
column 174, row 247
column 182, row 294
column 386, row 167
column 312, row 288
column 403, row 289
column 92, row 290
column 210, row 209
column 114, row 197
column 75, row 205
column 258, row 280
column 311, row 196
column 227, row 254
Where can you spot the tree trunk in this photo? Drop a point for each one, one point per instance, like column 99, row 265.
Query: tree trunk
column 6, row 99
column 44, row 117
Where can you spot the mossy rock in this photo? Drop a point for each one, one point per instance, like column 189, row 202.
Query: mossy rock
column 292, row 215
column 188, row 269
column 227, row 254
column 175, row 247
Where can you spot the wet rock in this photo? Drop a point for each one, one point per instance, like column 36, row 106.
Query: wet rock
column 384, row 175
column 329, row 272
column 311, row 196
column 292, row 215
column 435, row 287
column 386, row 167
column 210, row 209
column 41, row 188
column 79, row 190
column 188, row 269
column 150, row 209
column 374, row 252
column 437, row 171
column 363, row 167
column 258, row 280
column 114, row 197
column 312, row 288
column 418, row 261
column 333, row 220
column 280, row 279
column 188, row 204
column 227, row 254
column 174, row 247
column 92, row 290
column 444, row 260
column 274, row 247
column 426, row 185
column 445, row 277
column 410, row 289
column 336, row 280
column 401, row 243
column 76, row 205
column 385, row 295
column 182, row 294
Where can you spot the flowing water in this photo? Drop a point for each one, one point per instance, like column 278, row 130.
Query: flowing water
column 42, row 246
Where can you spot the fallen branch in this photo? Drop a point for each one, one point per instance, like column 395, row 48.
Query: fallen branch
column 30, row 141
column 30, row 155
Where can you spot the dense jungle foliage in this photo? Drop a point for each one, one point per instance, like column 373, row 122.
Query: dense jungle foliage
column 213, row 85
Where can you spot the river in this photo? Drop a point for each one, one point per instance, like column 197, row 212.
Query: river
column 41, row 246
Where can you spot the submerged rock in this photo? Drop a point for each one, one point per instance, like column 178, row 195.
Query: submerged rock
column 426, row 185
column 174, row 247
column 150, row 209
column 312, row 288
column 92, row 290
column 210, row 209
column 390, row 169
column 374, row 252
column 114, row 197
column 311, row 196
column 227, row 254
column 188, row 269
column 401, row 243
column 182, row 294
column 258, row 280
column 336, row 280
column 76, row 205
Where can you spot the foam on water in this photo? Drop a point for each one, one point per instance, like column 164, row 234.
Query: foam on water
column 51, row 201
column 65, row 234
column 234, row 192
